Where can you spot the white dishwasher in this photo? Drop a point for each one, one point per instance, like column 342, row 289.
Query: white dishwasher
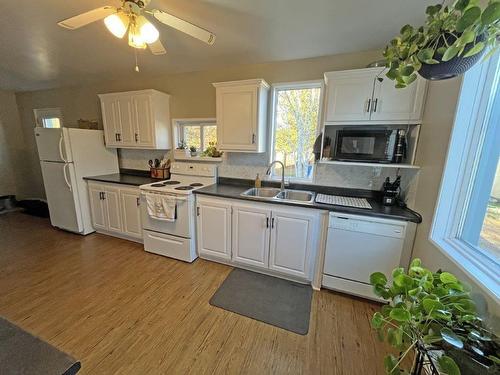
column 357, row 246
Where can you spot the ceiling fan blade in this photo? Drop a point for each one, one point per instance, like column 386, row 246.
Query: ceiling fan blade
column 184, row 26
column 87, row 17
column 157, row 48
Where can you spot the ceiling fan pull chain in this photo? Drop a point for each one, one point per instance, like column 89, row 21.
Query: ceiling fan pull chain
column 136, row 66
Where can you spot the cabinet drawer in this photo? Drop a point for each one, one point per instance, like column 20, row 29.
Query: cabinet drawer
column 163, row 244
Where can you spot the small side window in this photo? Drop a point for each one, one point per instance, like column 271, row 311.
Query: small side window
column 48, row 117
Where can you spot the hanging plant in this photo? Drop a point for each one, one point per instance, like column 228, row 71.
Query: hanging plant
column 452, row 40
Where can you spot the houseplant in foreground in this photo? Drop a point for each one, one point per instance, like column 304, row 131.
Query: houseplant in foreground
column 432, row 313
column 452, row 40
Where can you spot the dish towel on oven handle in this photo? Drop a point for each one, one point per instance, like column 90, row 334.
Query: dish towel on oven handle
column 161, row 207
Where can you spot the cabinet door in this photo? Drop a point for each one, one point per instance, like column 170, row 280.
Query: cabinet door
column 291, row 243
column 131, row 212
column 112, row 202
column 392, row 104
column 111, row 120
column 97, row 207
column 251, row 229
column 349, row 95
column 143, row 121
column 214, row 230
column 125, row 114
column 237, row 113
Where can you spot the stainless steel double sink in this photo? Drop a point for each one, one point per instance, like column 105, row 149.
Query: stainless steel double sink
column 276, row 194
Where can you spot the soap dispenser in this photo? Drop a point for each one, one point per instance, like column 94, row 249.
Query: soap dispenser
column 258, row 182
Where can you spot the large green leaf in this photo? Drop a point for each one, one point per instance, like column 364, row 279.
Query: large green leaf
column 432, row 305
column 403, row 281
column 451, row 338
column 400, row 314
column 416, row 263
column 448, row 366
column 378, row 278
column 446, row 277
column 491, row 14
column 468, row 18
column 450, row 53
column 475, row 50
column 461, row 4
column 425, row 54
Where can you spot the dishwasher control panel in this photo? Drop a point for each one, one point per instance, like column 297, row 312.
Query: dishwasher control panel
column 378, row 227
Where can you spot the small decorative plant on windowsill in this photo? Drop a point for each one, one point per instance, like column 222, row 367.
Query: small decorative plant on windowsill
column 432, row 315
column 212, row 151
column 452, row 40
column 193, row 151
column 182, row 151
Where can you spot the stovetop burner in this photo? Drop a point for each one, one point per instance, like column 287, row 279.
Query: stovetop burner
column 196, row 184
column 184, row 188
column 171, row 182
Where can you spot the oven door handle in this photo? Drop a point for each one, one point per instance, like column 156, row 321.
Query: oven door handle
column 170, row 195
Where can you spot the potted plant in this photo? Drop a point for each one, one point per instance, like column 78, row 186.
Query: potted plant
column 452, row 40
column 181, row 152
column 432, row 314
column 212, row 151
column 193, row 151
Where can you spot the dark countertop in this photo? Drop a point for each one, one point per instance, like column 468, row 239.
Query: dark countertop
column 228, row 188
column 125, row 177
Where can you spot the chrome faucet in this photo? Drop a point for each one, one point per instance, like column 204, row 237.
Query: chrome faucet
column 268, row 172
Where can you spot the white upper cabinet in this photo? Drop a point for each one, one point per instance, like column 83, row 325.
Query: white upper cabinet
column 136, row 119
column 242, row 115
column 367, row 96
column 348, row 95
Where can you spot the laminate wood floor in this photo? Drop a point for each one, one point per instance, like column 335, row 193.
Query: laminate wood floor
column 121, row 310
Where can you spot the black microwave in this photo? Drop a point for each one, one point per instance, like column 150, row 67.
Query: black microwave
column 375, row 145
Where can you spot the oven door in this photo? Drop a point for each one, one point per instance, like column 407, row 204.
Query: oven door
column 371, row 145
column 180, row 227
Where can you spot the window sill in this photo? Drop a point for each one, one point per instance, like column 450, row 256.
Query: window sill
column 472, row 262
column 198, row 158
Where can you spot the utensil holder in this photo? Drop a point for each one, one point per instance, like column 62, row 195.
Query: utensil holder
column 160, row 173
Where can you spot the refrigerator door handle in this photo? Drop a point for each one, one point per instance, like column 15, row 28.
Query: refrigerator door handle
column 61, row 149
column 66, row 177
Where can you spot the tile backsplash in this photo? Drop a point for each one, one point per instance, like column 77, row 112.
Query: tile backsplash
column 247, row 165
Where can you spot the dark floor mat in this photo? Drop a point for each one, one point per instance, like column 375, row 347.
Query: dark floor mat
column 274, row 301
column 24, row 354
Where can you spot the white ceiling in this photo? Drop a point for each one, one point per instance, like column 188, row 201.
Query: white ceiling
column 35, row 53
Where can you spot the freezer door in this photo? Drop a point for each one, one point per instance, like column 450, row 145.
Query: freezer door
column 62, row 197
column 52, row 145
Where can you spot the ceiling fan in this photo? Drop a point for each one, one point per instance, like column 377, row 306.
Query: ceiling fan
column 141, row 33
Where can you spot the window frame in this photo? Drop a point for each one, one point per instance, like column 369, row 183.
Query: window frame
column 275, row 88
column 457, row 183
column 42, row 114
column 179, row 124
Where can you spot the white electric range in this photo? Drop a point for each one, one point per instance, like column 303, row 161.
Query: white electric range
column 177, row 238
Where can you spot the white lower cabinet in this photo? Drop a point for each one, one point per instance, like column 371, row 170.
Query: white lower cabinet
column 291, row 241
column 251, row 231
column 214, row 229
column 260, row 236
column 115, row 210
column 131, row 212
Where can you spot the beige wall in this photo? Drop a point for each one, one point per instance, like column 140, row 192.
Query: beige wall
column 435, row 133
column 11, row 145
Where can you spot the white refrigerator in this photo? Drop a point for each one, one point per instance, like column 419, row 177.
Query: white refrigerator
column 66, row 156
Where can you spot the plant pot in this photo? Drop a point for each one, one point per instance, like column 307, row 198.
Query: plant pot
column 182, row 153
column 452, row 68
column 470, row 366
column 194, row 153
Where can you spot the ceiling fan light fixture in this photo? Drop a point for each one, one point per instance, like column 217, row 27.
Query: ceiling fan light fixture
column 117, row 24
column 148, row 31
column 135, row 38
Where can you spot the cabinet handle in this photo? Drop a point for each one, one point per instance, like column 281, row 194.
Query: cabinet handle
column 116, row 137
column 272, row 222
column 103, row 195
column 368, row 105
column 100, row 195
column 136, row 137
column 119, row 137
column 138, row 201
column 375, row 105
column 197, row 211
column 253, row 138
column 267, row 222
